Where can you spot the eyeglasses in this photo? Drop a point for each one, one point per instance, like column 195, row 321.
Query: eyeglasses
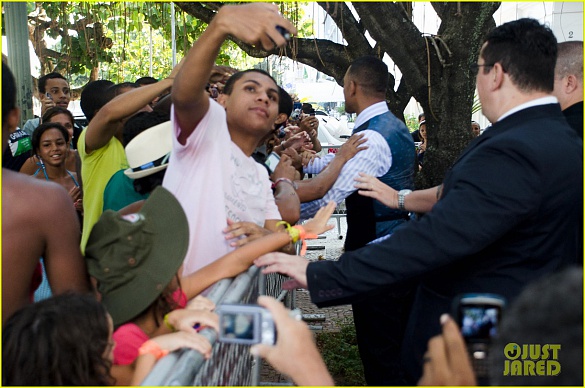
column 474, row 67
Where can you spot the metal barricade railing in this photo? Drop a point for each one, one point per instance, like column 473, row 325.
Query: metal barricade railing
column 230, row 364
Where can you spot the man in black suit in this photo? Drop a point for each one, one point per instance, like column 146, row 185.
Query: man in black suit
column 504, row 215
column 569, row 83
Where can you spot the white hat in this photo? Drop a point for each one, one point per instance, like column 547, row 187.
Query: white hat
column 149, row 151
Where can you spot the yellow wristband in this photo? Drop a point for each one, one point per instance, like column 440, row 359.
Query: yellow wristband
column 168, row 324
column 292, row 232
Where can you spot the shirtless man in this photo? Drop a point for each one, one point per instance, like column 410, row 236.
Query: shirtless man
column 38, row 219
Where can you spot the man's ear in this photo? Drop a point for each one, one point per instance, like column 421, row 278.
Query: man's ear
column 222, row 99
column 352, row 87
column 281, row 118
column 498, row 75
column 570, row 84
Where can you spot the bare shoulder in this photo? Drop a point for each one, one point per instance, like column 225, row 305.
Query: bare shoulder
column 20, row 191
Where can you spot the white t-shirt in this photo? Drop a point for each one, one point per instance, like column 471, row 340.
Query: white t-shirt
column 214, row 180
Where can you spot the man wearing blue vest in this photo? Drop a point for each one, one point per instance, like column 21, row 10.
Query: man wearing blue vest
column 390, row 156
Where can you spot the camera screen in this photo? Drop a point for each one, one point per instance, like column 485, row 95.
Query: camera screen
column 239, row 326
column 479, row 322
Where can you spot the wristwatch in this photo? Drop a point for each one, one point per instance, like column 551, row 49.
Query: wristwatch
column 401, row 194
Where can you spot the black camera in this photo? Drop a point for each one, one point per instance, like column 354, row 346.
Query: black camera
column 479, row 316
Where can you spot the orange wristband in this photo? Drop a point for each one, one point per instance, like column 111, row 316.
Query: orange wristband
column 151, row 347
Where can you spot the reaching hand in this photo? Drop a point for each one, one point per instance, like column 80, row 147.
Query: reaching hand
column 254, row 23
column 201, row 303
column 294, row 353
column 250, row 230
column 318, row 224
column 292, row 266
column 352, row 146
column 307, row 157
column 370, row 186
column 298, row 141
column 185, row 319
column 183, row 339
column 309, row 124
column 446, row 360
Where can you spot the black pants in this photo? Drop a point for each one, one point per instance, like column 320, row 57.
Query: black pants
column 380, row 322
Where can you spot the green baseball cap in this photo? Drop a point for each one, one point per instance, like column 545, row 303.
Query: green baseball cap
column 134, row 257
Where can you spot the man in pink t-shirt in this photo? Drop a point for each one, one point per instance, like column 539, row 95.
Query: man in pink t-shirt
column 211, row 171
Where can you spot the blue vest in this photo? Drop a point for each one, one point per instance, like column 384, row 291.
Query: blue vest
column 368, row 219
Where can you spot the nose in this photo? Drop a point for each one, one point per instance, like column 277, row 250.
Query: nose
column 263, row 96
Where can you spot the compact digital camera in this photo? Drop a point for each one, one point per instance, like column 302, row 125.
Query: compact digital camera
column 245, row 324
column 297, row 111
column 248, row 324
column 479, row 316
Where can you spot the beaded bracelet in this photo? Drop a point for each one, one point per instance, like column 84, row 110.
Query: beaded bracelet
column 276, row 182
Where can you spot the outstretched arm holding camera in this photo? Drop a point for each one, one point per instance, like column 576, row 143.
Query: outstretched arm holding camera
column 253, row 23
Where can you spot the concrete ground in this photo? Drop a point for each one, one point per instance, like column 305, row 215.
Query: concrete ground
column 332, row 248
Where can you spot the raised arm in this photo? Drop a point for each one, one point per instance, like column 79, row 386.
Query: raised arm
column 253, row 23
column 109, row 120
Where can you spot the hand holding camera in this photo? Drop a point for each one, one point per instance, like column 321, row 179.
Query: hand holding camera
column 294, row 353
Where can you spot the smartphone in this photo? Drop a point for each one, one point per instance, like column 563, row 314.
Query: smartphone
column 479, row 316
column 48, row 95
column 272, row 161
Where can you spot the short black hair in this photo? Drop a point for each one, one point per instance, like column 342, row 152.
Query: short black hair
column 229, row 85
column 526, row 50
column 141, row 122
column 146, row 81
column 370, row 73
column 38, row 133
column 43, row 81
column 56, row 110
column 94, row 97
column 285, row 102
column 8, row 92
column 116, row 90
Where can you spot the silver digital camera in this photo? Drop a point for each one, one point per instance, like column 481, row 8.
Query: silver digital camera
column 248, row 324
column 245, row 324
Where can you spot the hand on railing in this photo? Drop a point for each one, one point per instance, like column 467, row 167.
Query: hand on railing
column 201, row 303
column 191, row 321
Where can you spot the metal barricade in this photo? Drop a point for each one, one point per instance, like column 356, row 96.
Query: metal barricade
column 230, row 364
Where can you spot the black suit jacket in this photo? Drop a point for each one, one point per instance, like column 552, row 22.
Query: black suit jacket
column 506, row 217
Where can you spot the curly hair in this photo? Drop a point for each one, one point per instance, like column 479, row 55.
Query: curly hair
column 58, row 341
